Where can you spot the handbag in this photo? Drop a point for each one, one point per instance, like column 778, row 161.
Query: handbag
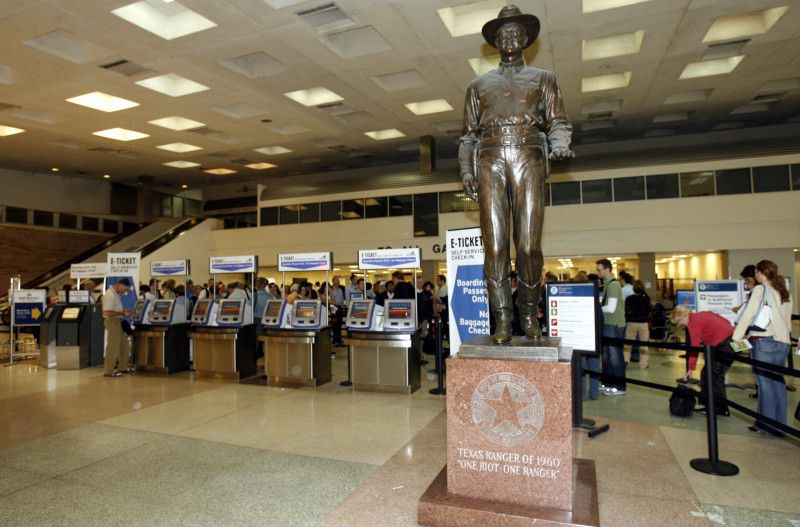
column 682, row 401
column 763, row 315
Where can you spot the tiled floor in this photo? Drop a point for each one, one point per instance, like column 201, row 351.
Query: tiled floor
column 79, row 449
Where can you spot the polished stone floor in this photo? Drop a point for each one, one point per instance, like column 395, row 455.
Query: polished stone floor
column 79, row 449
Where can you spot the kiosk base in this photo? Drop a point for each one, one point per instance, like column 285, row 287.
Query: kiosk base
column 224, row 353
column 297, row 357
column 161, row 350
column 72, row 357
column 47, row 354
column 384, row 362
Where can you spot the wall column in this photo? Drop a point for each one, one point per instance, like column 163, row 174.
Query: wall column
column 647, row 273
column 146, row 199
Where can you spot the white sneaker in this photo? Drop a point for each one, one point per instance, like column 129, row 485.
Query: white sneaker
column 613, row 391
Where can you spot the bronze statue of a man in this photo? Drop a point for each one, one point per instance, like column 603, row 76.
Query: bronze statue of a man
column 514, row 124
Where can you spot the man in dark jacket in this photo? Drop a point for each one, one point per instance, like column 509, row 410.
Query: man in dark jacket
column 402, row 289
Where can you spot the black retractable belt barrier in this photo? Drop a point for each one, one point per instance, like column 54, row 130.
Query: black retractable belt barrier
column 349, row 381
column 440, row 389
column 578, row 420
column 713, row 464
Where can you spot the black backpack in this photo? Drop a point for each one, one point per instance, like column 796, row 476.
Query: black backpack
column 682, row 401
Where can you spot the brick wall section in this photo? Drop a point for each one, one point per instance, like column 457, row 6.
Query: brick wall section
column 31, row 252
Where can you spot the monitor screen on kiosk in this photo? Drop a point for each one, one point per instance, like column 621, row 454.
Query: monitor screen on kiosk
column 360, row 309
column 71, row 313
column 305, row 309
column 273, row 309
column 230, row 308
column 160, row 309
column 399, row 310
column 138, row 309
column 201, row 308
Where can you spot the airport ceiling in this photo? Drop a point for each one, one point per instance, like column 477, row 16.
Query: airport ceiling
column 628, row 69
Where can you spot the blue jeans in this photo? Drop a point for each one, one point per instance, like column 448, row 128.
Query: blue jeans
column 591, row 364
column 613, row 358
column 771, row 386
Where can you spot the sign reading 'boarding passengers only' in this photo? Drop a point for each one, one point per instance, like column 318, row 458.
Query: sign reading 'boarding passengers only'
column 468, row 297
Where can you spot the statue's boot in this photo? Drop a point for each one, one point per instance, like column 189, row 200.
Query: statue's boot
column 528, row 298
column 500, row 304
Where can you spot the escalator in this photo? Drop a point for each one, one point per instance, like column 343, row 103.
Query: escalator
column 145, row 239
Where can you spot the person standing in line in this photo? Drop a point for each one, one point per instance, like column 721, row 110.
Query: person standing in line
column 709, row 329
column 613, row 309
column 262, row 295
column 637, row 313
column 771, row 340
column 117, row 341
column 352, row 288
column 626, row 281
column 402, row 289
column 337, row 294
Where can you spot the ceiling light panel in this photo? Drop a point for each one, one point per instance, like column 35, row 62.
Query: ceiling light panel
column 744, row 25
column 326, row 17
column 177, row 123
column 357, row 42
column 597, row 125
column 709, row 68
column 121, row 134
column 671, row 117
column 382, row 135
column 172, row 85
column 481, row 65
column 401, row 80
column 605, row 82
column 721, row 50
column 468, row 19
column 288, row 129
column 750, row 108
column 67, row 46
column 260, row 166
column 272, row 150
column 239, row 111
column 688, row 96
column 591, row 6
column 613, row 46
column 314, row 96
column 102, row 101
column 254, row 65
column 219, row 171
column 9, row 130
column 182, row 164
column 168, row 20
column 429, row 107
column 601, row 106
column 180, row 148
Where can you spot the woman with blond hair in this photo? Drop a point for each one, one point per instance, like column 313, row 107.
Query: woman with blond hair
column 709, row 329
column 767, row 320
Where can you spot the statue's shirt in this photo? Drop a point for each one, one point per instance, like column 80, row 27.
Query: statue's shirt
column 515, row 95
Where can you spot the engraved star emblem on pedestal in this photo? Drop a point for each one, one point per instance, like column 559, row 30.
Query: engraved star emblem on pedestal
column 506, row 409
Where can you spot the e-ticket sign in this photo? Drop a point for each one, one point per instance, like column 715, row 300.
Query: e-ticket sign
column 233, row 264
column 88, row 270
column 572, row 315
column 468, row 297
column 305, row 262
column 719, row 296
column 389, row 258
column 170, row 268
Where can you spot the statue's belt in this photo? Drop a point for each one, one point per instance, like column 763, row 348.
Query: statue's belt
column 513, row 136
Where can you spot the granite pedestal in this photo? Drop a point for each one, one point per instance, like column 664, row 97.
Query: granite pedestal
column 509, row 441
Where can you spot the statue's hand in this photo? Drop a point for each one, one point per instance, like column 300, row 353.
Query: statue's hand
column 470, row 186
column 561, row 152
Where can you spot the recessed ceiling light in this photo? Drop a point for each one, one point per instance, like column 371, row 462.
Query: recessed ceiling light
column 179, row 147
column 590, row 6
column 102, row 101
column 467, row 19
column 428, row 107
column 481, row 65
column 751, row 108
column 381, row 135
column 708, row 68
column 260, row 166
column 184, row 186
column 106, row 176
column 54, row 169
column 177, row 123
column 744, row 25
column 605, row 82
column 182, row 164
column 601, row 107
column 219, row 171
column 613, row 46
column 314, row 96
column 167, row 19
column 671, row 117
column 272, row 150
column 688, row 96
column 172, row 85
column 9, row 130
column 121, row 134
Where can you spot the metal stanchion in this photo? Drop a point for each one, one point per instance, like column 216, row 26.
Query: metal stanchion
column 440, row 389
column 578, row 421
column 713, row 464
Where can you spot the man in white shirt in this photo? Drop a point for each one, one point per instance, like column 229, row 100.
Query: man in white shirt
column 117, row 344
column 208, row 291
column 626, row 281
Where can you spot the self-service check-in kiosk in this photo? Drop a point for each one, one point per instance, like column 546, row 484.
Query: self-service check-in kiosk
column 297, row 343
column 161, row 336
column 223, row 339
column 79, row 333
column 48, row 331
